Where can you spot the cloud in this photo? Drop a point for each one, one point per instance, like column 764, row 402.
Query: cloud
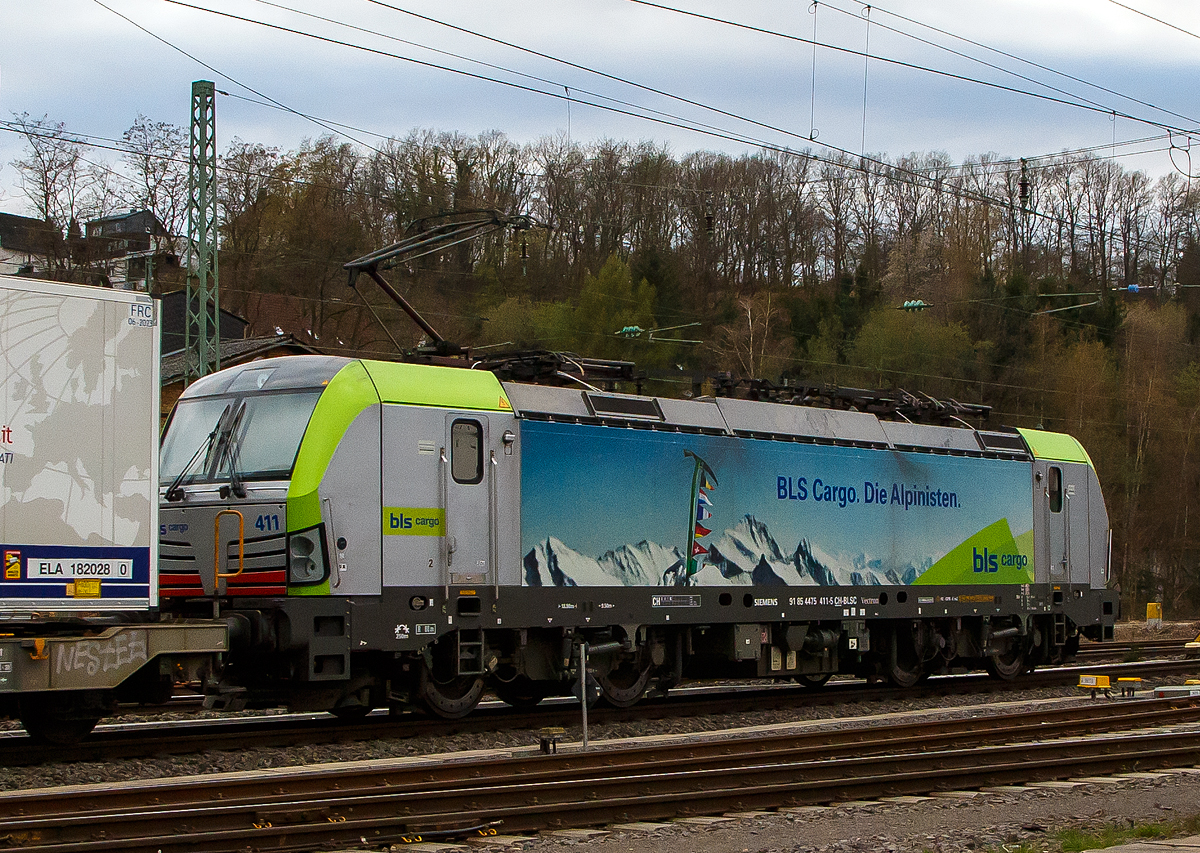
column 85, row 66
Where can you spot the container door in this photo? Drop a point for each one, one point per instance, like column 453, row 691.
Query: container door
column 468, row 482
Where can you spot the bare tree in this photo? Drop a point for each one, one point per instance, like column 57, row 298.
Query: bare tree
column 757, row 344
column 53, row 179
column 156, row 154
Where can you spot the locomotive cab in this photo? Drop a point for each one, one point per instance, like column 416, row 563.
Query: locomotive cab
column 227, row 460
column 329, row 509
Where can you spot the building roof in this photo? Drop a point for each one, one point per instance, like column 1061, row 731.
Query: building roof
column 133, row 222
column 25, row 234
column 174, row 317
column 236, row 351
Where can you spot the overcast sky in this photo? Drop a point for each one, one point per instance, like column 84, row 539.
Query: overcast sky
column 81, row 63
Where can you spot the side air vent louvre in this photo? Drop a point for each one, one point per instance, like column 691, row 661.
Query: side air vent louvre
column 1009, row 441
column 645, row 408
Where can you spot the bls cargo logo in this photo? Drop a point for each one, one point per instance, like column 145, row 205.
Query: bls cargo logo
column 413, row 521
column 987, row 562
column 12, row 565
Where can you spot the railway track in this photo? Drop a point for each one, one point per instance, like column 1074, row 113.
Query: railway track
column 382, row 802
column 118, row 741
column 1120, row 648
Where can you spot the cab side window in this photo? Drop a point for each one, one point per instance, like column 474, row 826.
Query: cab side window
column 466, row 451
column 1055, row 489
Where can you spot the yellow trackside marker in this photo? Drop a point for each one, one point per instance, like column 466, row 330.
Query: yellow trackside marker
column 1129, row 686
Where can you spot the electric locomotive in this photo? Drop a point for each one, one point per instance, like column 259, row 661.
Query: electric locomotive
column 389, row 534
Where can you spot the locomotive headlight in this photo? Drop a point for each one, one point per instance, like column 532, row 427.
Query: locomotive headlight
column 306, row 556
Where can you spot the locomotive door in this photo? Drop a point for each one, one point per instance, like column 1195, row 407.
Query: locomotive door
column 468, row 483
column 1065, row 507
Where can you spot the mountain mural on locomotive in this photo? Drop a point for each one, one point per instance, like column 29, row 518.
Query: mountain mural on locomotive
column 602, row 506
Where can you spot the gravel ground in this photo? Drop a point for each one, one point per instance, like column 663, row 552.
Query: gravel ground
column 1129, row 631
column 995, row 822
column 214, row 761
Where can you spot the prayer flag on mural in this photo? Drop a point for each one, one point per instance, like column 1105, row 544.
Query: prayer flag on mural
column 701, row 530
column 704, row 499
column 705, row 482
column 698, row 549
column 702, row 512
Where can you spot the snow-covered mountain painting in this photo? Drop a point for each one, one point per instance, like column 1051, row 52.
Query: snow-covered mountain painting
column 744, row 555
column 605, row 506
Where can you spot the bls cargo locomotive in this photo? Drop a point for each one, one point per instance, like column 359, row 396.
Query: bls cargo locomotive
column 387, row 534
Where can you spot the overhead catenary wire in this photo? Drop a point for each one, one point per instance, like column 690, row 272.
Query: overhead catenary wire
column 812, row 113
column 942, row 187
column 894, row 169
column 647, row 114
column 814, row 43
column 205, row 65
column 1008, row 55
column 464, row 58
column 909, row 65
column 280, row 106
column 866, row 65
column 661, row 119
column 1156, row 20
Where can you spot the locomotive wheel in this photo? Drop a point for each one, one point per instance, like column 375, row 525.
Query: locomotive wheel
column 521, row 692
column 48, row 724
column 451, row 699
column 904, row 668
column 1007, row 664
column 814, row 681
column 623, row 685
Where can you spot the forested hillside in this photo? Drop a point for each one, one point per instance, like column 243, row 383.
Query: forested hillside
column 1064, row 293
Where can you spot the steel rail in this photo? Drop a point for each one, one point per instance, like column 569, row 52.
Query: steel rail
column 1118, row 647
column 113, row 742
column 404, row 800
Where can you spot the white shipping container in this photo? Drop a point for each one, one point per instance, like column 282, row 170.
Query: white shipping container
column 78, row 448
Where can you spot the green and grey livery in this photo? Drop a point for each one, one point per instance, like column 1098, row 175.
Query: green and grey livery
column 387, row 534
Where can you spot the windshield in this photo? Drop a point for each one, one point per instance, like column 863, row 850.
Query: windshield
column 266, row 437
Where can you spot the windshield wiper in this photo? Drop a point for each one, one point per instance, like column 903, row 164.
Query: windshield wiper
column 232, row 455
column 174, row 493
